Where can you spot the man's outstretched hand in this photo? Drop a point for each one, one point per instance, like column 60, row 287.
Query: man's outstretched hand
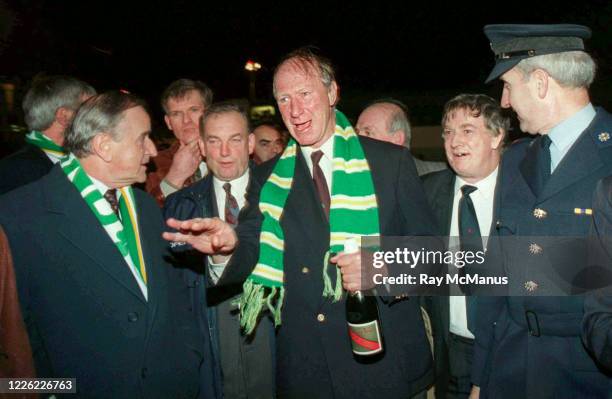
column 210, row 236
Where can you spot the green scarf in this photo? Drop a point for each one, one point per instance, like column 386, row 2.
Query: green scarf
column 353, row 213
column 124, row 232
column 43, row 142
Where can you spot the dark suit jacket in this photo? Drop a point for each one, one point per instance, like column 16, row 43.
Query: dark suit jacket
column 248, row 361
column 528, row 344
column 26, row 165
column 84, row 311
column 597, row 323
column 314, row 357
column 439, row 189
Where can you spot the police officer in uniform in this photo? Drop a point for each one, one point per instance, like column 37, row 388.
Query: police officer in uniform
column 528, row 343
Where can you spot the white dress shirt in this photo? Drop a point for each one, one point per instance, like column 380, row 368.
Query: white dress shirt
column 326, row 162
column 102, row 188
column 482, row 199
column 238, row 189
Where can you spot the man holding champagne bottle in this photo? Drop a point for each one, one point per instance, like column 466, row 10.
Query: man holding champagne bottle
column 327, row 187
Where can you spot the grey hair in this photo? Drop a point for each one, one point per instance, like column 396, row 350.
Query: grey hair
column 572, row 69
column 179, row 89
column 308, row 58
column 224, row 108
column 47, row 94
column 479, row 105
column 99, row 114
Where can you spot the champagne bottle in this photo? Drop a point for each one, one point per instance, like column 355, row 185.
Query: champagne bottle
column 364, row 325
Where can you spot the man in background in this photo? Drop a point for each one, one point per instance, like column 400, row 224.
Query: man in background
column 49, row 106
column 268, row 141
column 184, row 101
column 387, row 120
column 244, row 362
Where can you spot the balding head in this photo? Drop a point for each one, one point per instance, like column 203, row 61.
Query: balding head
column 385, row 121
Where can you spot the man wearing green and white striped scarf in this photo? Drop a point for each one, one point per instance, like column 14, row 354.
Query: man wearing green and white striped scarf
column 100, row 300
column 289, row 230
column 49, row 106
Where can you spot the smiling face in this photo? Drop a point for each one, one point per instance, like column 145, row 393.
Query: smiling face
column 471, row 149
column 130, row 155
column 227, row 144
column 305, row 103
column 183, row 116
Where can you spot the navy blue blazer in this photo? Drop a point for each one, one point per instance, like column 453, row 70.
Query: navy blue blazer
column 528, row 345
column 597, row 323
column 212, row 303
column 85, row 314
column 26, row 165
column 314, row 358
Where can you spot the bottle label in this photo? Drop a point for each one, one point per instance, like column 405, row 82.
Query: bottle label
column 365, row 338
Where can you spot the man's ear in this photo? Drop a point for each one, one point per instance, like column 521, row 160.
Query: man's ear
column 398, row 137
column 167, row 120
column 202, row 147
column 332, row 93
column 541, row 81
column 251, row 139
column 102, row 146
column 497, row 140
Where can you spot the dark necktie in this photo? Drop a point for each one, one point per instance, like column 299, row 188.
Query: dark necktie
column 231, row 206
column 544, row 161
column 319, row 181
column 111, row 196
column 469, row 234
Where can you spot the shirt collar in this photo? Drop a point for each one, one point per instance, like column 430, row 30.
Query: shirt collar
column 327, row 148
column 239, row 184
column 567, row 132
column 485, row 187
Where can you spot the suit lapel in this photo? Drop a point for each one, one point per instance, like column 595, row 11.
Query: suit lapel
column 529, row 167
column 583, row 153
column 303, row 205
column 79, row 226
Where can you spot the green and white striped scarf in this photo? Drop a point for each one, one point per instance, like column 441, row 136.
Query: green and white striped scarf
column 353, row 213
column 45, row 143
column 124, row 232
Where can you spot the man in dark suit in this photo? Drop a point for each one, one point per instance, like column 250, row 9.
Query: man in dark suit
column 100, row 302
column 597, row 323
column 314, row 356
column 49, row 106
column 474, row 130
column 528, row 343
column 245, row 361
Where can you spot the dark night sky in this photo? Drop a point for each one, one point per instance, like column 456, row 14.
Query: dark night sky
column 412, row 48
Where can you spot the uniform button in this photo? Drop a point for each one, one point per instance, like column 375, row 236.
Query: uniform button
column 535, row 249
column 132, row 316
column 531, row 286
column 305, row 270
column 539, row 213
column 321, row 317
